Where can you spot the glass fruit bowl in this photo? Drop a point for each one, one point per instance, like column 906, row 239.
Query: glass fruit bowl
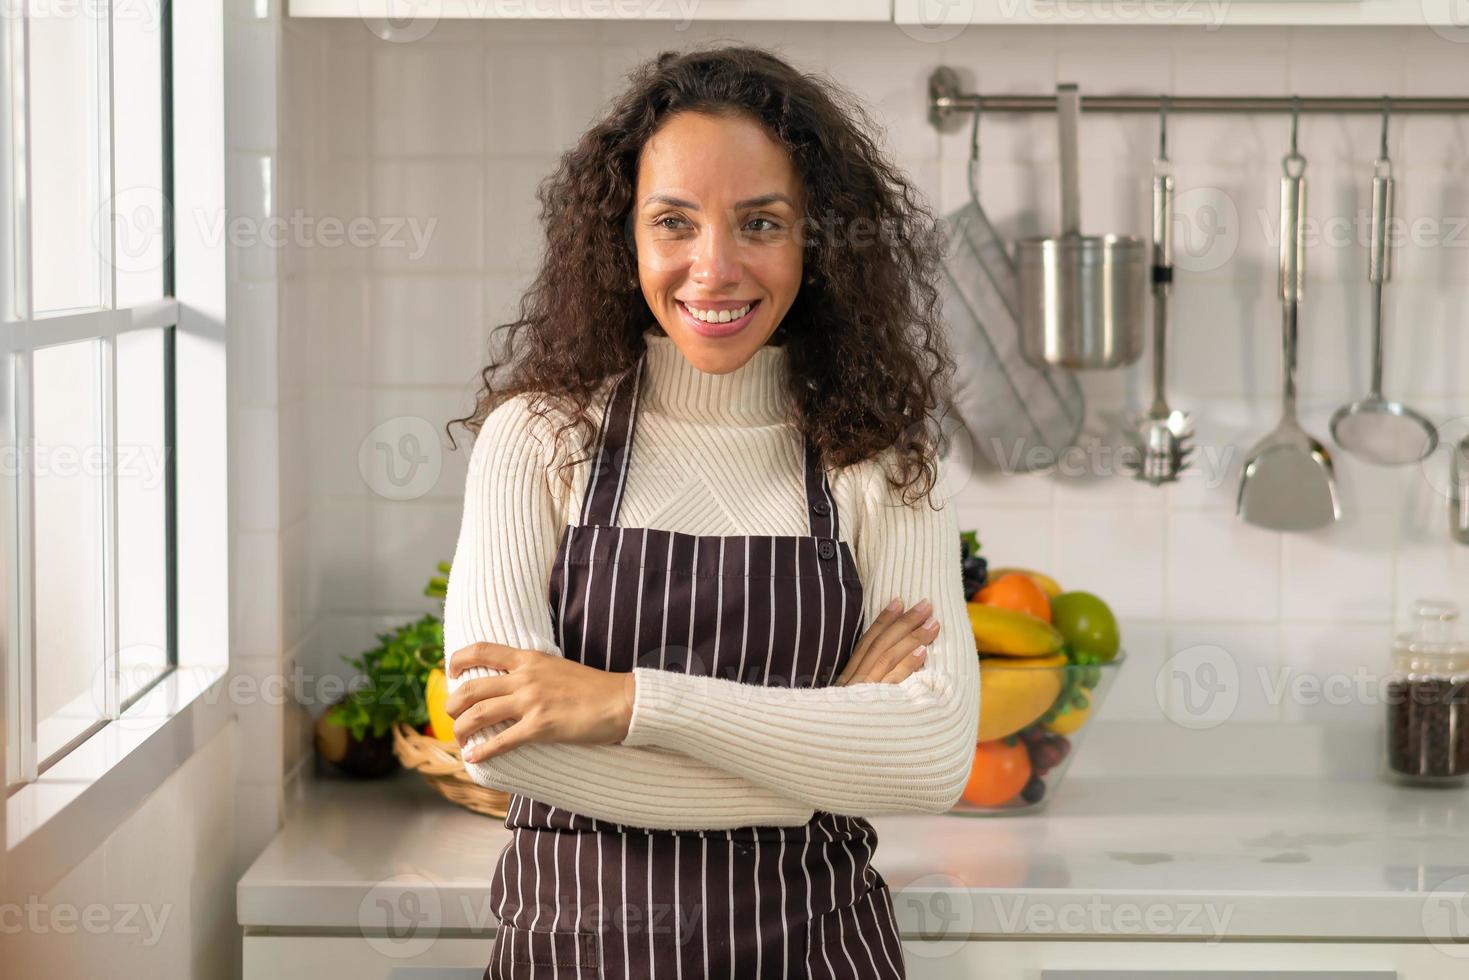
column 1033, row 714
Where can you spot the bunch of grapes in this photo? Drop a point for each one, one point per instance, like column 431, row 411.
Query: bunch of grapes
column 1047, row 751
column 973, row 565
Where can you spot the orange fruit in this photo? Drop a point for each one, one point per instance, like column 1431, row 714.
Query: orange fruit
column 1048, row 585
column 1017, row 592
column 1000, row 772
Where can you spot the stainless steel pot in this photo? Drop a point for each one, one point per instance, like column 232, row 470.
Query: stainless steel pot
column 1082, row 297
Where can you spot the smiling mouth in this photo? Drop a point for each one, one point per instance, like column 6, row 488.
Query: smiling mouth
column 724, row 314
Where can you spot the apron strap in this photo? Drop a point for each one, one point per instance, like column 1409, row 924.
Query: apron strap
column 614, row 444
column 608, row 477
column 821, row 506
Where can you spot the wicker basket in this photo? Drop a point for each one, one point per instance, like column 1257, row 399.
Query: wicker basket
column 444, row 771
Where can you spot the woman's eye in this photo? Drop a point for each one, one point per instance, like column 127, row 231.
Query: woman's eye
column 768, row 223
column 669, row 222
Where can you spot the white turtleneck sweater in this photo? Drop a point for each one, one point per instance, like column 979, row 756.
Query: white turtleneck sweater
column 714, row 455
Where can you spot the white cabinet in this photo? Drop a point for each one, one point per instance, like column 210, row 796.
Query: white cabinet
column 1154, row 960
column 940, row 20
column 659, row 10
column 355, row 958
column 925, row 20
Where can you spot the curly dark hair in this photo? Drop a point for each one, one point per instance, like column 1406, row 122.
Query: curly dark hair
column 868, row 366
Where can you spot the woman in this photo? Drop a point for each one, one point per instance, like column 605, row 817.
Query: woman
column 658, row 643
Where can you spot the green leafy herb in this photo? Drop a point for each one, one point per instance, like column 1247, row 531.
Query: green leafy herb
column 394, row 674
column 438, row 585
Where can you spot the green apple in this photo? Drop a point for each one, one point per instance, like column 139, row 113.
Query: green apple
column 1087, row 624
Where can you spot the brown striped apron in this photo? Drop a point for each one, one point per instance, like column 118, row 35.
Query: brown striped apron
column 578, row 897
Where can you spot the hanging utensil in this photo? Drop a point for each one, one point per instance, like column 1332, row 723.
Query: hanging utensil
column 1289, row 483
column 1020, row 417
column 1163, row 434
column 1384, row 432
column 1459, row 491
column 1081, row 297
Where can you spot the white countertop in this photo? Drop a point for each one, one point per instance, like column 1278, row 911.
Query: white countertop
column 1247, row 856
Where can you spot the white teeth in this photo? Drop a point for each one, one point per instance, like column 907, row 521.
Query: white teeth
column 718, row 316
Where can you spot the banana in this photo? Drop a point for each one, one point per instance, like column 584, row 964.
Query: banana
column 1048, row 585
column 1010, row 633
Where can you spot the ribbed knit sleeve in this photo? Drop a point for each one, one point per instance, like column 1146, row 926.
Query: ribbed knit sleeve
column 861, row 749
column 498, row 593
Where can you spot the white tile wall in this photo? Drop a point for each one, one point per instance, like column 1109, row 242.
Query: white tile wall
column 460, row 127
column 267, row 485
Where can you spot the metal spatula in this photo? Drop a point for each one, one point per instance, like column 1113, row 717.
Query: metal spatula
column 1288, row 482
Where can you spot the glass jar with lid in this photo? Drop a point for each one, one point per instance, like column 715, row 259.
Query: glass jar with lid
column 1427, row 700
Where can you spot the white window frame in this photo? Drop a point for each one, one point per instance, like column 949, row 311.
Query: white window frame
column 58, row 814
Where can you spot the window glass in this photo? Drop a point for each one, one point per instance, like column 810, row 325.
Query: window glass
column 68, row 473
column 66, row 155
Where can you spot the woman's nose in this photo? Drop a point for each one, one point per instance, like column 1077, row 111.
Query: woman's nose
column 717, row 260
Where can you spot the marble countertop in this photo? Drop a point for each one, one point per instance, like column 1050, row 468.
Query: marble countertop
column 1249, row 856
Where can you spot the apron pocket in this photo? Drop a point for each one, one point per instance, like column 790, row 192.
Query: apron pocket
column 537, row 952
column 857, row 940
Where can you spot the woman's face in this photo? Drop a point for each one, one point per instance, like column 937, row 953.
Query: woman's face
column 719, row 257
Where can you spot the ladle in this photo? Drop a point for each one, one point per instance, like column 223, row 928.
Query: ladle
column 1384, row 432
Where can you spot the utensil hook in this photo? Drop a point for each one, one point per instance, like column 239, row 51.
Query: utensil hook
column 1294, row 158
column 1163, row 129
column 973, row 173
column 1382, row 167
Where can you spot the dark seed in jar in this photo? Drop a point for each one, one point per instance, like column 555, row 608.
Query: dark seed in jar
column 1428, row 726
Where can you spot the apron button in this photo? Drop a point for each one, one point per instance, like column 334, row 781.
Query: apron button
column 826, row 548
column 821, row 507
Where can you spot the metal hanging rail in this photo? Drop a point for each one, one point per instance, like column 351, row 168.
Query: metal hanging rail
column 948, row 103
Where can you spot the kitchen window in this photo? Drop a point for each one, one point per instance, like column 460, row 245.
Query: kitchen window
column 89, row 392
column 111, row 369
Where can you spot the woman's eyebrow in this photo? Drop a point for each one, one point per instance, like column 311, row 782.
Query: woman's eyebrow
column 749, row 202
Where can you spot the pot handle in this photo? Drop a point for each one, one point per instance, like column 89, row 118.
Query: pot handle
column 1068, row 109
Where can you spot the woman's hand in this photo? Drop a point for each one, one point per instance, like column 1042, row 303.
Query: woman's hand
column 549, row 699
column 894, row 646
